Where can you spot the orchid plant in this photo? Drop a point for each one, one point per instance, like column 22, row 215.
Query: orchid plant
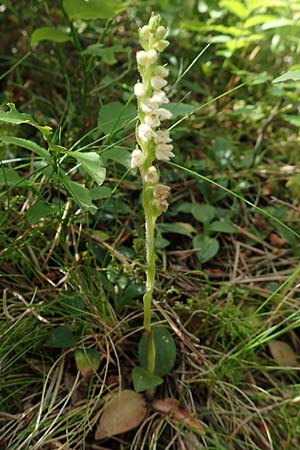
column 157, row 350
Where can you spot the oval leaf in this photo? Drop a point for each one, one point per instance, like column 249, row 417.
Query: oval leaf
column 52, row 34
column 291, row 75
column 92, row 9
column 143, row 380
column 123, row 413
column 283, row 354
column 206, row 247
column 92, row 164
column 165, row 351
column 87, row 361
column 61, row 337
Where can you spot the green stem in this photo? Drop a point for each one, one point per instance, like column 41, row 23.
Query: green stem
column 150, row 219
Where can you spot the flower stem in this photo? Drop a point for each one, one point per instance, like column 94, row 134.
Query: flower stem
column 150, row 219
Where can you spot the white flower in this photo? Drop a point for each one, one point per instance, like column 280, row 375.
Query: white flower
column 161, row 71
column 162, row 137
column 163, row 152
column 139, row 90
column 145, row 132
column 137, row 158
column 143, row 58
column 159, row 98
column 158, row 83
column 147, row 106
column 151, row 175
column 152, row 119
column 164, row 114
column 152, row 56
column 161, row 45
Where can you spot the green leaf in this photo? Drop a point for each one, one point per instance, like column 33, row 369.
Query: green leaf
column 115, row 116
column 72, row 304
column 186, row 229
column 165, row 351
column 81, row 194
column 222, row 226
column 52, row 34
column 142, row 380
column 11, row 178
column 204, row 213
column 107, row 54
column 117, row 154
column 206, row 247
column 15, row 117
column 293, row 75
column 61, row 337
column 101, row 192
column 180, row 109
column 29, row 145
column 235, row 7
column 87, row 361
column 40, row 210
column 92, row 9
column 92, row 163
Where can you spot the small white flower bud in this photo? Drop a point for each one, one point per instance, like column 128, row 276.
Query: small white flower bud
column 145, row 32
column 161, row 71
column 139, row 90
column 164, row 114
column 161, row 45
column 142, row 58
column 160, row 32
column 137, row 158
column 152, row 56
column 163, row 152
column 154, row 22
column 158, row 83
column 151, row 175
column 145, row 133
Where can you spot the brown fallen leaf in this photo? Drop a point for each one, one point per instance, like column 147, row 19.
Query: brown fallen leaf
column 170, row 406
column 125, row 411
column 283, row 354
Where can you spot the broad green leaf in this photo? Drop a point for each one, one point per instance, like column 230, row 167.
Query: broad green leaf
column 292, row 119
column 61, row 337
column 117, row 154
column 92, row 163
column 206, row 247
column 81, row 194
column 40, row 210
column 29, row 145
column 115, row 116
column 87, row 361
column 11, row 178
column 203, row 213
column 235, row 7
column 222, row 226
column 100, row 192
column 107, row 54
column 52, row 34
column 93, row 9
column 15, row 117
column 180, row 109
column 143, row 380
column 186, row 229
column 293, row 75
column 165, row 349
column 282, row 22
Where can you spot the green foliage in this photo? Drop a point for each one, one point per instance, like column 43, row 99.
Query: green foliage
column 51, row 34
column 93, row 9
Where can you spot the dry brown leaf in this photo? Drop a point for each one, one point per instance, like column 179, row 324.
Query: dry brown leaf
column 170, row 406
column 283, row 354
column 122, row 413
